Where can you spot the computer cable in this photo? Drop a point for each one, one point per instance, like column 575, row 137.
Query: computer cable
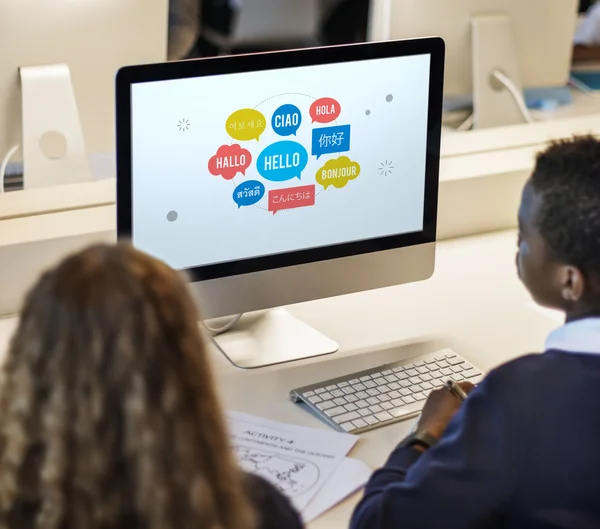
column 223, row 329
column 515, row 93
column 11, row 152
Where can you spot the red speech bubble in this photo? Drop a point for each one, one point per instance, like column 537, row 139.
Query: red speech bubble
column 325, row 110
column 291, row 197
column 230, row 160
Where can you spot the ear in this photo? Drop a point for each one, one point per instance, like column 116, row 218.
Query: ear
column 573, row 284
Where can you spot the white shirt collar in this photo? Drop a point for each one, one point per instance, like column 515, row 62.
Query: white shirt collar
column 580, row 336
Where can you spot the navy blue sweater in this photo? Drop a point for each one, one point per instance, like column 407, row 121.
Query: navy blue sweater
column 523, row 452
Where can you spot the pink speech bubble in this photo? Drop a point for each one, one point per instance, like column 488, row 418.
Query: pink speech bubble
column 291, row 197
column 325, row 110
column 230, row 160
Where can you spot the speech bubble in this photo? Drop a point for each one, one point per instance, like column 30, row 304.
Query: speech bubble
column 229, row 161
column 248, row 193
column 325, row 110
column 286, row 120
column 337, row 172
column 291, row 198
column 282, row 161
column 246, row 124
column 327, row 140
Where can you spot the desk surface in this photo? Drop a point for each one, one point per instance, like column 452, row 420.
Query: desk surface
column 473, row 304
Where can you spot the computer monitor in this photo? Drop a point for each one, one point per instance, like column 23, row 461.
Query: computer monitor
column 280, row 178
column 93, row 39
column 529, row 42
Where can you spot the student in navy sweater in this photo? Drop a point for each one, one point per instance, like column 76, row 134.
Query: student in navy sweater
column 523, row 451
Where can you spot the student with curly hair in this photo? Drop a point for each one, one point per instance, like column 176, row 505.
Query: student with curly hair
column 109, row 417
column 522, row 451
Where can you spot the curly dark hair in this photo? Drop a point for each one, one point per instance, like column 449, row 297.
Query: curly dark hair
column 109, row 417
column 567, row 180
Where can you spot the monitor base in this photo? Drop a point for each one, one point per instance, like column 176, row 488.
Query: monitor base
column 272, row 337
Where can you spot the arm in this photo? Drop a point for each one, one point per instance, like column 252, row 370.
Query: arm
column 461, row 482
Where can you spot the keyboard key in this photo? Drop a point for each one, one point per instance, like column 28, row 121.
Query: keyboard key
column 350, row 416
column 351, row 407
column 439, row 358
column 391, row 378
column 394, row 394
column 315, row 399
column 443, row 364
column 340, row 401
column 405, row 383
column 376, row 409
column 387, row 372
column 397, row 403
column 384, row 398
column 426, row 377
column 351, row 398
column 427, row 386
column 359, row 387
column 394, row 386
column 371, row 420
column 373, row 392
column 373, row 401
column 343, row 384
column 332, row 412
column 319, row 391
column 384, row 388
column 337, row 393
column 331, row 388
column 326, row 396
column 430, row 361
column 387, row 405
column 407, row 409
column 365, row 378
column 383, row 416
column 364, row 412
column 416, row 388
column 348, row 390
column 402, row 376
column 450, row 355
column 309, row 394
column 457, row 369
column 354, row 381
column 326, row 405
column 362, row 394
column 412, row 372
column 419, row 396
column 419, row 363
column 414, row 380
column 405, row 392
column 408, row 400
column 398, row 369
column 348, row 426
column 455, row 361
column 362, row 403
column 360, row 423
column 370, row 384
column 470, row 372
column 422, row 370
column 435, row 374
column 447, row 372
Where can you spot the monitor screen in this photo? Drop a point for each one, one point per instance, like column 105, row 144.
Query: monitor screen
column 237, row 166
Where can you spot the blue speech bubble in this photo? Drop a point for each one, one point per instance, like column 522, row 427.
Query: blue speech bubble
column 248, row 193
column 327, row 140
column 282, row 161
column 286, row 120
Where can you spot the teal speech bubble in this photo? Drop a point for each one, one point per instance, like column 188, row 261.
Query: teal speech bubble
column 282, row 161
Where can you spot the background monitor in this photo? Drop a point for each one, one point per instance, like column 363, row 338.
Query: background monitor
column 284, row 177
column 94, row 39
column 530, row 41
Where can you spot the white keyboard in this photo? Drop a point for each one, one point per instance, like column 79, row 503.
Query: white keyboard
column 386, row 394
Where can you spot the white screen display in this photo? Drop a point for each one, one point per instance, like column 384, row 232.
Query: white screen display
column 236, row 166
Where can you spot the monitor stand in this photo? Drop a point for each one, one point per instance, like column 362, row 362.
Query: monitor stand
column 53, row 147
column 272, row 337
column 493, row 50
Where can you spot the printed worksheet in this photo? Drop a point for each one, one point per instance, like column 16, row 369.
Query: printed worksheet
column 296, row 460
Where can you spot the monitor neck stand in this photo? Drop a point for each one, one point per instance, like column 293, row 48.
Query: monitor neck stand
column 53, row 147
column 493, row 50
column 272, row 337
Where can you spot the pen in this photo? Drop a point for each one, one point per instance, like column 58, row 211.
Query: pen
column 456, row 390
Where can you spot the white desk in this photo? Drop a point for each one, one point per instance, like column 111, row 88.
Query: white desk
column 473, row 304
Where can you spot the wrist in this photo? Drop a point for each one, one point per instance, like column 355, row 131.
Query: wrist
column 420, row 440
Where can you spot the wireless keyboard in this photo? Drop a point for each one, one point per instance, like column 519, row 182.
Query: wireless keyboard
column 387, row 394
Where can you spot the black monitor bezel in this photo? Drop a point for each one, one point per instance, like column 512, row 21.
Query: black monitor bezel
column 128, row 76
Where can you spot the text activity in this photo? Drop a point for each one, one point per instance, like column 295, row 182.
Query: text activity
column 291, row 198
column 285, row 160
column 230, row 160
column 338, row 172
column 325, row 110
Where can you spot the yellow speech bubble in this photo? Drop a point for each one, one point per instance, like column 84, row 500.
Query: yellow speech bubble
column 338, row 172
column 246, row 124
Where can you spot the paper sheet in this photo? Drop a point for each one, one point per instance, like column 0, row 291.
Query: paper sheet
column 349, row 477
column 296, row 460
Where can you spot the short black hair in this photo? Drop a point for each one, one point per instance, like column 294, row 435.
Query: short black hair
column 567, row 180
